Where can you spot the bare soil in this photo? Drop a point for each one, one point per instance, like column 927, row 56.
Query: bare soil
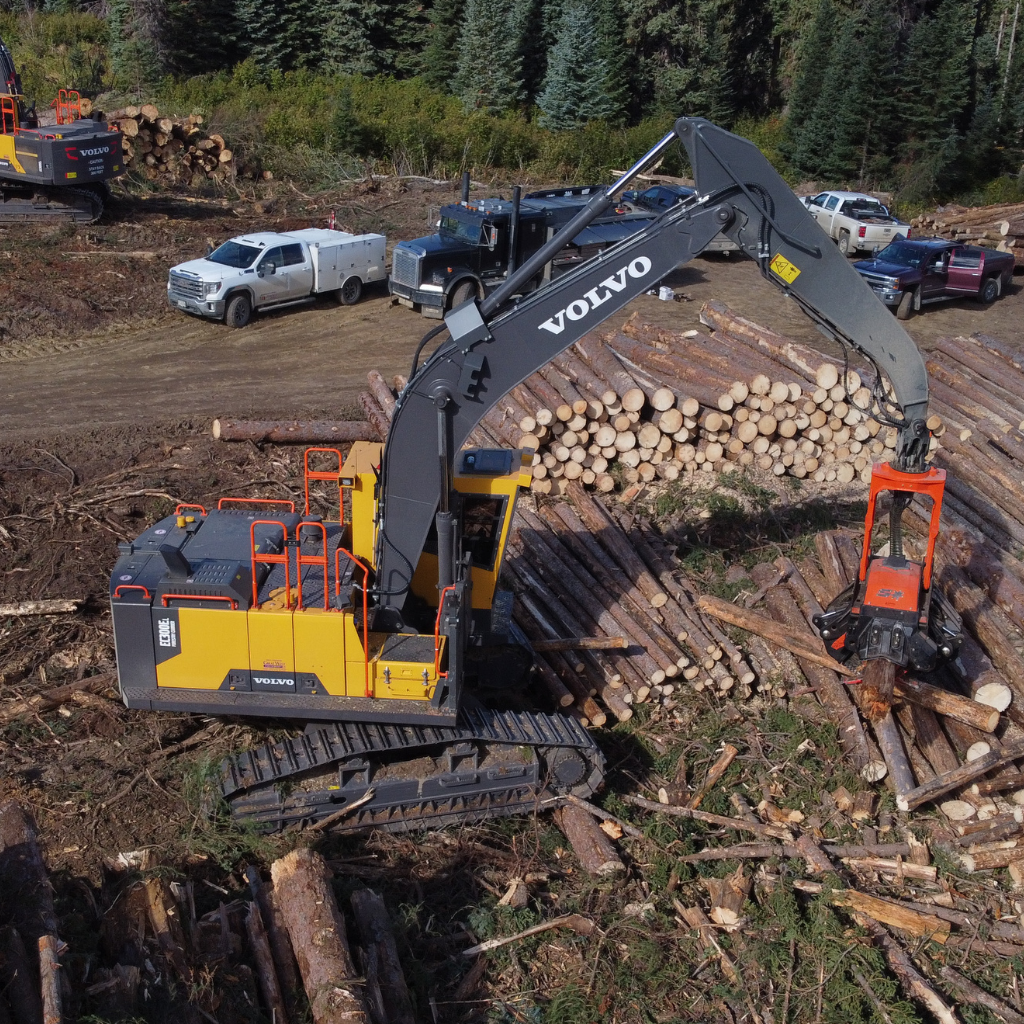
column 106, row 397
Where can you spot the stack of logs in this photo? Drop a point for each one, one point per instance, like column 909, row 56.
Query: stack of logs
column 174, row 150
column 586, row 578
column 999, row 227
column 951, row 740
column 653, row 404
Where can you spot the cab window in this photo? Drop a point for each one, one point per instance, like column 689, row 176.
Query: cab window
column 831, row 204
column 819, row 199
column 482, row 516
column 271, row 256
column 292, row 255
column 965, row 259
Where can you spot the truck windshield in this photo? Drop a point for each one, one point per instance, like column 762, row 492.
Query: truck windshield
column 465, row 231
column 902, row 255
column 234, row 254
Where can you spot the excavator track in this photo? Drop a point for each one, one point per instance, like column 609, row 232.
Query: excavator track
column 401, row 777
column 21, row 204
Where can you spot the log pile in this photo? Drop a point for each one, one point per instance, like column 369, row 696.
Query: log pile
column 174, row 150
column 996, row 227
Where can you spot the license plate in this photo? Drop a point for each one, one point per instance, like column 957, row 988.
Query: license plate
column 182, row 304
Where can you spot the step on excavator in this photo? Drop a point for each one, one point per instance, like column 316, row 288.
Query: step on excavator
column 52, row 172
column 385, row 632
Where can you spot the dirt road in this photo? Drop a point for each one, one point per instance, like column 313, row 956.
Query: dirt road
column 312, row 361
column 87, row 338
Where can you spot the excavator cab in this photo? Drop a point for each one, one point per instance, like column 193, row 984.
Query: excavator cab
column 890, row 611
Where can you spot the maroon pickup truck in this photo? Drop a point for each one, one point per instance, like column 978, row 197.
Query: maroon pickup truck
column 909, row 272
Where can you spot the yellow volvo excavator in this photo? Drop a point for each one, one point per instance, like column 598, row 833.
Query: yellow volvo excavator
column 385, row 631
column 53, row 171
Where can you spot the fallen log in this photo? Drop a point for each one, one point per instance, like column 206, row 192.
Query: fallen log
column 270, row 985
column 49, row 966
column 592, row 847
column 294, row 431
column 971, row 993
column 577, row 922
column 581, row 643
column 960, row 776
column 302, row 887
column 952, row 705
column 387, row 991
column 51, row 606
column 43, row 702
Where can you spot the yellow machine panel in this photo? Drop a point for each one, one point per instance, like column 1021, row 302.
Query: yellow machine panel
column 212, row 643
column 271, row 641
column 359, row 479
column 407, row 680
column 8, row 153
column 320, row 648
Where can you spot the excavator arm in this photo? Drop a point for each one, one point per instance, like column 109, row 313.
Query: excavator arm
column 498, row 343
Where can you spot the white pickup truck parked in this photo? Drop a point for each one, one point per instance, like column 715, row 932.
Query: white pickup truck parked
column 266, row 269
column 855, row 221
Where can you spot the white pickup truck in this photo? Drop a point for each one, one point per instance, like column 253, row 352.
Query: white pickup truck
column 266, row 269
column 855, row 221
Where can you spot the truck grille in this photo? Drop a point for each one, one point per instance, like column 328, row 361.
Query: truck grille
column 187, row 287
column 877, row 280
column 405, row 267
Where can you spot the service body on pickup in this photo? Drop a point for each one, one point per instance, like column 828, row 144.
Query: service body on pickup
column 659, row 198
column 480, row 242
column 911, row 272
column 268, row 269
column 854, row 221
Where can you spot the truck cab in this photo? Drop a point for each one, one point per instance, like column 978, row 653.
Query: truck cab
column 478, row 242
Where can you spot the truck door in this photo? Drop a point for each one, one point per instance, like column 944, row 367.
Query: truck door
column 816, row 204
column 297, row 271
column 965, row 268
column 933, row 284
column 271, row 282
column 493, row 243
column 829, row 213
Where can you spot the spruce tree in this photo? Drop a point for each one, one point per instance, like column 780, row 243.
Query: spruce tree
column 200, row 36
column 575, row 85
column 441, row 53
column 799, row 144
column 274, row 33
column 352, row 31
column 134, row 31
column 489, row 75
column 613, row 49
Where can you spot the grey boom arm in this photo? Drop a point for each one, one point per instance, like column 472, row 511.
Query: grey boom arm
column 491, row 350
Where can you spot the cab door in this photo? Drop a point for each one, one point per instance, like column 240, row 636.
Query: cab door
column 493, row 243
column 933, row 284
column 271, row 282
column 828, row 214
column 296, row 271
column 965, row 268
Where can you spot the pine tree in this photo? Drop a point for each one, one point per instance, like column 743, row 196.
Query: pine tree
column 200, row 36
column 574, row 87
column 440, row 55
column 274, row 33
column 489, row 75
column 352, row 31
column 134, row 31
column 933, row 99
column 799, row 145
column 613, row 49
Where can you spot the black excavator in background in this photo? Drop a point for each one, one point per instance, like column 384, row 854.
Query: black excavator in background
column 53, row 171
column 381, row 631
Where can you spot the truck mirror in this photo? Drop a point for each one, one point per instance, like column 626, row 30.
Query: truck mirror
column 271, row 268
column 492, row 237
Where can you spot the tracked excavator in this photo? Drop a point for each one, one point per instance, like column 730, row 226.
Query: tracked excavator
column 385, row 631
column 57, row 171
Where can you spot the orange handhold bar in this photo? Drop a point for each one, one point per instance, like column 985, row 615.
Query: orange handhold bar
column 322, row 560
column 366, row 619
column 133, row 586
column 323, row 474
column 185, row 505
column 258, row 501
column 270, row 559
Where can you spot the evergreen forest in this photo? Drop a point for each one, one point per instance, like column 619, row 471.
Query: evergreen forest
column 922, row 97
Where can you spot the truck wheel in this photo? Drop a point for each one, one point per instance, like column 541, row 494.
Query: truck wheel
column 844, row 242
column 238, row 312
column 350, row 292
column 989, row 291
column 905, row 310
column 463, row 293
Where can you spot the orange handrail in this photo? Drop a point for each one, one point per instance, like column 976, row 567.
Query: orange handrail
column 366, row 618
column 8, row 116
column 199, row 597
column 300, row 559
column 133, row 586
column 258, row 501
column 323, row 474
column 185, row 505
column 437, row 634
column 270, row 559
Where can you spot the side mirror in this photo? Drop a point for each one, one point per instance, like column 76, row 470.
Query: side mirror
column 492, row 238
column 271, row 268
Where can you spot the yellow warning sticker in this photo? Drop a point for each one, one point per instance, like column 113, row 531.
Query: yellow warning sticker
column 789, row 272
